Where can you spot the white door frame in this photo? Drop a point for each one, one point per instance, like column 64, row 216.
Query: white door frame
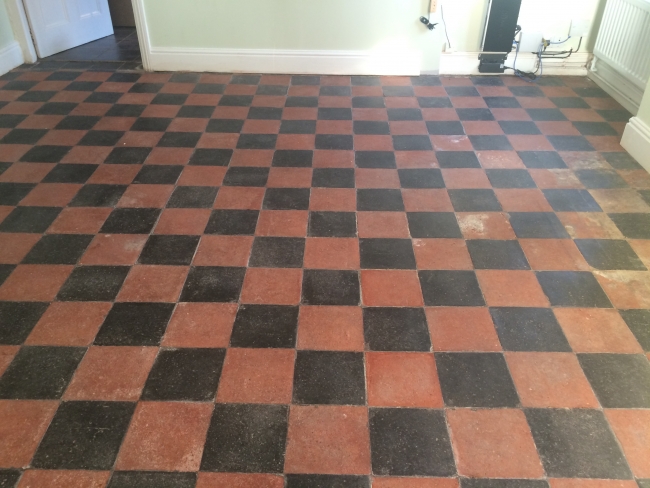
column 20, row 26
column 143, row 33
column 23, row 34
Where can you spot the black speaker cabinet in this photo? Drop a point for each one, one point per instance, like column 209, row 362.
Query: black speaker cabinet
column 499, row 34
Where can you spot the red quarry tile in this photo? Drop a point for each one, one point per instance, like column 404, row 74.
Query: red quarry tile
column 642, row 249
column 494, row 91
column 279, row 286
column 468, row 102
column 516, row 200
column 189, row 125
column 550, row 380
column 557, row 128
column 111, row 373
column 218, row 140
column 555, row 178
column 441, row 254
column 530, row 143
column 589, row 225
column 416, row 159
column 343, row 445
column 408, row 128
column 334, row 80
column 585, row 483
column 22, row 425
column 330, row 328
column 252, row 126
column 299, row 113
column 268, row 101
column 376, row 178
column 11, row 153
column 179, row 221
column 64, row 479
column 613, row 201
column 161, row 111
column 4, row 211
column 169, row 155
column 200, row 325
column 632, row 428
column 237, row 480
column 490, row 225
column 146, row 196
column 113, row 123
column 114, row 249
column 487, row 128
column 333, row 127
column 289, row 178
column 333, row 159
column 402, row 379
column 114, row 174
column 378, row 114
column 510, row 114
column 465, row 178
column 239, row 198
column 382, row 224
column 230, row 113
column 202, row 176
column 535, row 102
column 26, row 172
column 427, row 201
column 295, row 141
column 257, row 376
column 64, row 137
column 511, row 288
column 79, row 220
column 140, row 139
column 7, row 354
column 333, row 199
column 40, row 122
column 584, row 160
column 596, row 330
column 639, row 179
column 34, row 282
column 291, row 223
column 455, row 81
column 166, row 436
column 625, row 289
column 414, row 482
column 69, row 324
column 462, row 329
column 331, row 253
column 451, row 143
column 223, row 251
column 493, row 444
column 303, row 90
column 367, row 91
column 373, row 143
column 581, row 114
column 553, row 254
column 390, row 288
column 153, row 284
column 14, row 247
column 51, row 195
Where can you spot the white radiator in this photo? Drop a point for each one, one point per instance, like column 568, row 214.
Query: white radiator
column 623, row 44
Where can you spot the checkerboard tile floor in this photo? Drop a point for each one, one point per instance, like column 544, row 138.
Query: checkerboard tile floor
column 270, row 281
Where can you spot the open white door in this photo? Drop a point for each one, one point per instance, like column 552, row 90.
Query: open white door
column 58, row 25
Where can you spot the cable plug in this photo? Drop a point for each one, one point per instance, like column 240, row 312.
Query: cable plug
column 430, row 25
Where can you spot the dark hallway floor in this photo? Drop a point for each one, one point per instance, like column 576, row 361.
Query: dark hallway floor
column 248, row 281
column 121, row 48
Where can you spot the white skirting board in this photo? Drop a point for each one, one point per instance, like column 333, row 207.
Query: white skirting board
column 636, row 141
column 403, row 62
column 467, row 64
column 10, row 57
column 616, row 85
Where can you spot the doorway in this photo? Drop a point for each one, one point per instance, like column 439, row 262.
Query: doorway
column 114, row 41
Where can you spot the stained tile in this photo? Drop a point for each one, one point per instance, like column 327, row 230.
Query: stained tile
column 84, row 435
column 576, row 444
column 410, row 442
column 22, row 427
column 631, row 429
column 571, row 200
column 151, row 479
column 529, row 329
column 246, row 439
column 537, row 225
column 572, row 289
column 633, row 226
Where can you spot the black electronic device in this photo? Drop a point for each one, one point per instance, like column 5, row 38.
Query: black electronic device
column 500, row 31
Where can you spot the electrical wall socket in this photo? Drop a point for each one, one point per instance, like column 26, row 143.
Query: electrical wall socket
column 580, row 28
column 433, row 6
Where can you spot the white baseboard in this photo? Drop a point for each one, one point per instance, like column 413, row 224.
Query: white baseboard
column 636, row 141
column 618, row 86
column 403, row 62
column 467, row 64
column 10, row 57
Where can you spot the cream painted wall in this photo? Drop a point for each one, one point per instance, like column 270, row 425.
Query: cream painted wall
column 346, row 25
column 6, row 34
